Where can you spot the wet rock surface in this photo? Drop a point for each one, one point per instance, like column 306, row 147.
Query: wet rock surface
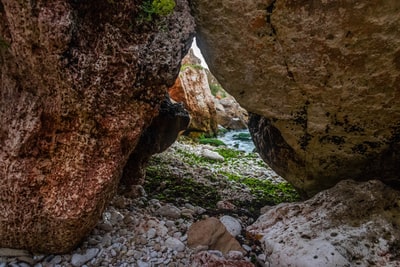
column 322, row 78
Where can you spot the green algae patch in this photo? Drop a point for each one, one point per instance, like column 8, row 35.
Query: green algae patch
column 265, row 192
column 166, row 186
column 211, row 141
column 182, row 175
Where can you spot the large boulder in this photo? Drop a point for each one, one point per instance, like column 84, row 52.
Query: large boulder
column 80, row 81
column 351, row 224
column 323, row 78
column 193, row 91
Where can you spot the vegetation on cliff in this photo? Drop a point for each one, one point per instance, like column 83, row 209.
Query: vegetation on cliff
column 152, row 8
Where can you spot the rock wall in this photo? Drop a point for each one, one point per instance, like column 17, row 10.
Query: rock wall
column 322, row 77
column 80, row 81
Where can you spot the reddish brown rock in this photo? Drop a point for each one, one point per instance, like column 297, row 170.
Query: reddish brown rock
column 323, row 77
column 208, row 259
column 212, row 234
column 80, row 80
column 192, row 89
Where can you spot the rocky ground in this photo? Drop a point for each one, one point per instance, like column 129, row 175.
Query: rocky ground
column 147, row 225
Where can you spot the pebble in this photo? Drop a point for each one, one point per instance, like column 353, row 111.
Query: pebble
column 169, row 211
column 175, row 244
column 208, row 154
column 232, row 224
column 133, row 231
column 80, row 259
column 151, row 233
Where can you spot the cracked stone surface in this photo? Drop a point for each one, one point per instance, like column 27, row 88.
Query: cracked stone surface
column 321, row 78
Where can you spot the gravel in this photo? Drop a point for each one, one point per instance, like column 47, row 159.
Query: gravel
column 144, row 231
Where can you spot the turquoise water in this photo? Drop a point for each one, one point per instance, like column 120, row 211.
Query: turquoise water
column 239, row 139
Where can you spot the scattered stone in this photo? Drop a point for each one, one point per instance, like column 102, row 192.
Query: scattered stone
column 132, row 230
column 169, row 211
column 80, row 259
column 151, row 233
column 231, row 224
column 225, row 205
column 175, row 244
column 208, row 154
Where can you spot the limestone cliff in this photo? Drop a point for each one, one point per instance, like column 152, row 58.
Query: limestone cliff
column 351, row 224
column 80, row 81
column 193, row 91
column 322, row 78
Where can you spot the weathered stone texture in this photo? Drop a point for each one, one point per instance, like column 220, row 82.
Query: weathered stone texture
column 351, row 224
column 80, row 80
column 324, row 74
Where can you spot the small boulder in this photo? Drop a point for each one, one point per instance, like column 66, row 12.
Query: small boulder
column 212, row 234
column 208, row 154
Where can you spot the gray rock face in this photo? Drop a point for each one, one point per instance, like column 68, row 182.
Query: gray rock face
column 80, row 81
column 323, row 77
column 351, row 224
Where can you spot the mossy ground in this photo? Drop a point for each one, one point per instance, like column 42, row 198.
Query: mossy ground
column 182, row 175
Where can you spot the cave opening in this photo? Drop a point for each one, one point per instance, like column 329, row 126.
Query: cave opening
column 213, row 164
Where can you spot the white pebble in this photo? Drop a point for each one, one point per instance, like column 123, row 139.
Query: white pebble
column 174, row 244
column 231, row 224
column 80, row 259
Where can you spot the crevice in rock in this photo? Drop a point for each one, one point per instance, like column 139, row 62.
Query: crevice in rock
column 270, row 10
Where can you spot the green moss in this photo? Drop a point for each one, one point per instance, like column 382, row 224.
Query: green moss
column 211, row 141
column 200, row 180
column 162, row 184
column 265, row 192
column 217, row 90
column 163, row 7
column 229, row 153
column 192, row 66
column 222, row 131
column 156, row 8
